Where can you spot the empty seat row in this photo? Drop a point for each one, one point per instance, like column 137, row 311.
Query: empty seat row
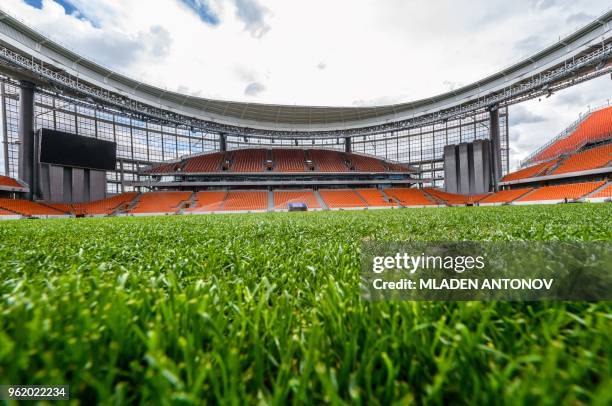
column 28, row 208
column 160, row 202
column 410, row 196
column 531, row 171
column 9, row 182
column 571, row 191
column 505, row 196
column 590, row 159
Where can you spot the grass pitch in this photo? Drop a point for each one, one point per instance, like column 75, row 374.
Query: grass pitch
column 266, row 308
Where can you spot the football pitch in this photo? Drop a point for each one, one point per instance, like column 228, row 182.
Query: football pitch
column 266, row 308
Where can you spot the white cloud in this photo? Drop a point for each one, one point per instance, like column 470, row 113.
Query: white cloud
column 320, row 52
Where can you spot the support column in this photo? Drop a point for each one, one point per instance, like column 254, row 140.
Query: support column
column 222, row 142
column 496, row 164
column 26, row 136
column 347, row 145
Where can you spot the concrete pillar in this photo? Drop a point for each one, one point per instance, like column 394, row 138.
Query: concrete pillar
column 347, row 145
column 451, row 168
column 464, row 169
column 27, row 160
column 496, row 164
column 222, row 142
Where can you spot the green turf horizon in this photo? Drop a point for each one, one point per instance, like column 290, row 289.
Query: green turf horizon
column 265, row 308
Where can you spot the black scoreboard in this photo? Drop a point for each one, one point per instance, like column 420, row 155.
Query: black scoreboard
column 65, row 149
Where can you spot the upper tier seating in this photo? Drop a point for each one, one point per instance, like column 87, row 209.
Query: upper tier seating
column 590, row 159
column 209, row 163
column 165, row 168
column 409, row 196
column 605, row 192
column 160, row 202
column 596, row 127
column 9, row 182
column 28, row 208
column 327, row 161
column 284, row 197
column 374, row 198
column 560, row 192
column 367, row 164
column 207, row 201
column 289, row 160
column 246, row 200
column 248, row 160
column 505, row 196
column 531, row 171
column 452, row 198
column 342, row 198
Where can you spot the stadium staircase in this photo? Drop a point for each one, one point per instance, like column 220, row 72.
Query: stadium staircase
column 130, row 206
column 270, row 200
column 320, row 200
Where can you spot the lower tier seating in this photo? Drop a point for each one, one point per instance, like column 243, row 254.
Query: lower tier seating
column 342, row 198
column 28, row 208
column 6, row 213
column 104, row 206
column 160, row 202
column 247, row 201
column 207, row 201
column 374, row 198
column 409, row 196
column 560, row 192
column 282, row 198
column 452, row 198
column 505, row 196
column 605, row 192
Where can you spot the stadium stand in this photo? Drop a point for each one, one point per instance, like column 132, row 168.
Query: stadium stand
column 284, row 197
column 374, row 198
column 289, row 160
column 6, row 213
column 165, row 168
column 247, row 201
column 209, row 163
column 367, row 164
column 159, row 202
column 530, row 172
column 107, row 206
column 29, row 208
column 604, row 192
column 409, row 196
column 453, row 199
column 570, row 191
column 597, row 126
column 342, row 198
column 207, row 201
column 248, row 160
column 505, row 196
column 327, row 161
column 9, row 182
column 590, row 159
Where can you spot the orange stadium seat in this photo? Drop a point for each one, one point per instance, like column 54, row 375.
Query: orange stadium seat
column 367, row 164
column 160, row 202
column 165, row 168
column 243, row 200
column 560, row 192
column 289, row 160
column 105, row 206
column 409, row 196
column 6, row 213
column 531, row 171
column 374, row 198
column 342, row 198
column 284, row 197
column 207, row 201
column 248, row 160
column 505, row 196
column 452, row 198
column 597, row 126
column 590, row 159
column 605, row 192
column 209, row 163
column 28, row 208
column 9, row 182
column 327, row 161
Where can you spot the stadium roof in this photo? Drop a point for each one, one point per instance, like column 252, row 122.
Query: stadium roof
column 25, row 41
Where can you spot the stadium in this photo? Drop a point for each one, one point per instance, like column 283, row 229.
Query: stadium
column 262, row 306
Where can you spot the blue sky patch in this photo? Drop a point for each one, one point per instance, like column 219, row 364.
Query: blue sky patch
column 203, row 11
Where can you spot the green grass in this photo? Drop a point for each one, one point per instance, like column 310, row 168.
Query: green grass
column 266, row 308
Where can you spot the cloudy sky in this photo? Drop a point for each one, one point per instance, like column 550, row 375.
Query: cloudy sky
column 325, row 52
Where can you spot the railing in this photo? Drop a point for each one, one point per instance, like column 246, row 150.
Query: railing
column 563, row 134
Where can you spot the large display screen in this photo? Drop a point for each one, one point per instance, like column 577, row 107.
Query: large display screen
column 65, row 149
